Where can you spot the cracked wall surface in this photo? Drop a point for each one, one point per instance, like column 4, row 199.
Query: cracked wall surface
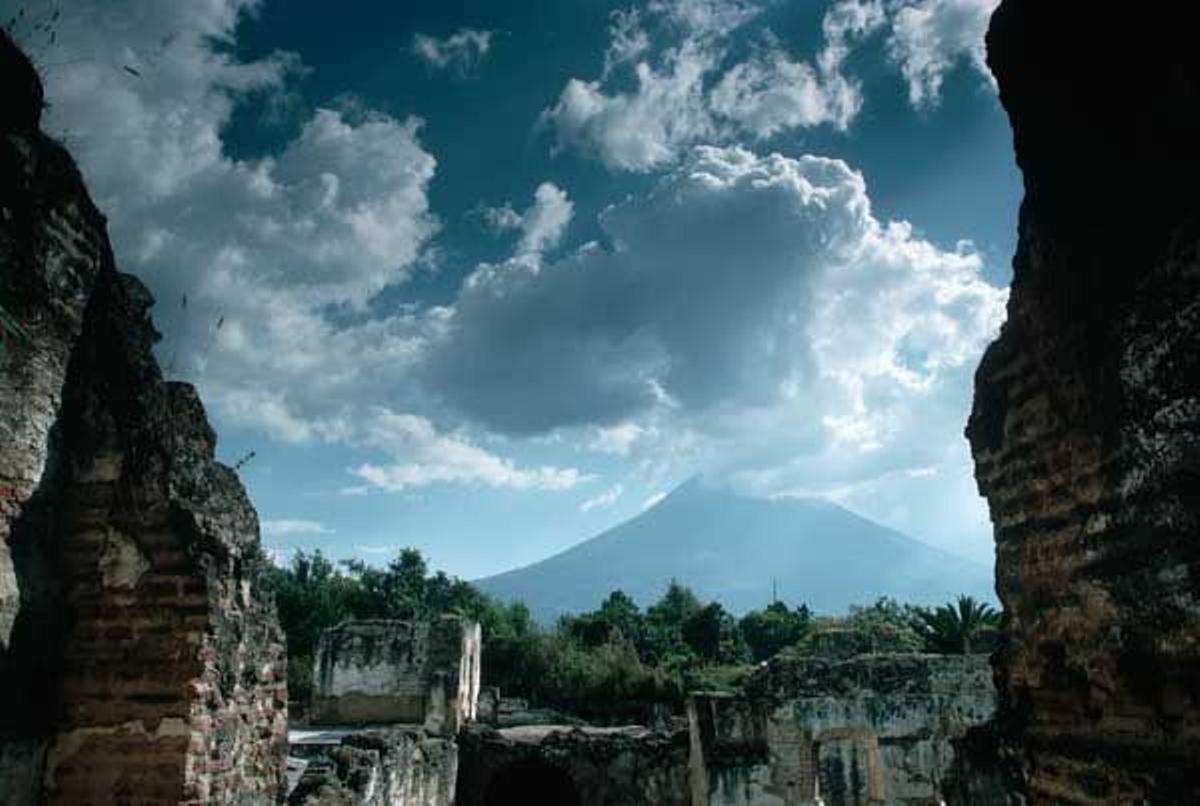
column 423, row 672
column 1086, row 423
column 140, row 661
column 871, row 729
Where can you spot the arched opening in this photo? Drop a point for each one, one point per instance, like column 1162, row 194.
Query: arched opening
column 531, row 783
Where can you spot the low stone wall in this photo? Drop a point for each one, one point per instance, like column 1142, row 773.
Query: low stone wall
column 381, row 671
column 586, row 766
column 873, row 729
column 382, row 768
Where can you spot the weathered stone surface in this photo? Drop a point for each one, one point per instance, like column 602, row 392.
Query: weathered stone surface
column 139, row 662
column 382, row 768
column 573, row 765
column 874, row 729
column 1086, row 425
column 420, row 673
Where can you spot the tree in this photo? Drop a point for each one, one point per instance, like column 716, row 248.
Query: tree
column 769, row 631
column 623, row 613
column 951, row 628
column 712, row 634
column 664, row 624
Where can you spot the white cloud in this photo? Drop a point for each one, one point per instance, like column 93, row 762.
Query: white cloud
column 752, row 318
column 248, row 257
column 681, row 97
column 542, row 225
column 706, row 18
column 930, row 37
column 618, row 439
column 292, row 528
column 644, row 128
column 604, row 499
column 628, row 40
column 502, row 218
column 772, row 93
column 422, row 456
column 461, row 50
column 263, row 247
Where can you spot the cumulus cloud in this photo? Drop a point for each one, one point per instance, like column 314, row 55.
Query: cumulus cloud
column 461, row 51
column 263, row 267
column 686, row 92
column 292, row 528
column 772, row 93
column 644, row 128
column 420, row 456
column 542, row 225
column 930, row 37
column 751, row 316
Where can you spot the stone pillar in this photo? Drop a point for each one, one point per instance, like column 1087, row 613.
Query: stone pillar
column 1086, row 423
column 139, row 658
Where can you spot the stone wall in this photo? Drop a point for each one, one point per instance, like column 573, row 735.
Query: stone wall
column 598, row 766
column 382, row 768
column 1086, row 424
column 380, row 671
column 139, row 661
column 874, row 729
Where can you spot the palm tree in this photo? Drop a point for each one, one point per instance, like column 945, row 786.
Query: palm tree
column 951, row 628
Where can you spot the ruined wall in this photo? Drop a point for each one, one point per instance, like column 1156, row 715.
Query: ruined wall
column 139, row 661
column 382, row 768
column 605, row 766
column 420, row 672
column 1086, row 425
column 878, row 728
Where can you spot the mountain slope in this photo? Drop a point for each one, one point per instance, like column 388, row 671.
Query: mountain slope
column 732, row 548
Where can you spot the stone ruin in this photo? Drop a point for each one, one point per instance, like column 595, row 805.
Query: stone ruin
column 139, row 660
column 876, row 728
column 886, row 728
column 413, row 672
column 1086, row 425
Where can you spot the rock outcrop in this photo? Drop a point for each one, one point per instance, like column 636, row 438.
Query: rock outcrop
column 1086, row 425
column 140, row 661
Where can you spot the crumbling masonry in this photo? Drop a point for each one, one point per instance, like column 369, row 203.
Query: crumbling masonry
column 139, row 662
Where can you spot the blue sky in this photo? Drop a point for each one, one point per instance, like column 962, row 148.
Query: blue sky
column 486, row 278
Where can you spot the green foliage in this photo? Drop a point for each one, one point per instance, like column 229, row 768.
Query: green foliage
column 885, row 626
column 770, row 631
column 712, row 634
column 952, row 628
column 613, row 664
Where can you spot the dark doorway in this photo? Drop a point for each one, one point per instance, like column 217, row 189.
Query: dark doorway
column 531, row 783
